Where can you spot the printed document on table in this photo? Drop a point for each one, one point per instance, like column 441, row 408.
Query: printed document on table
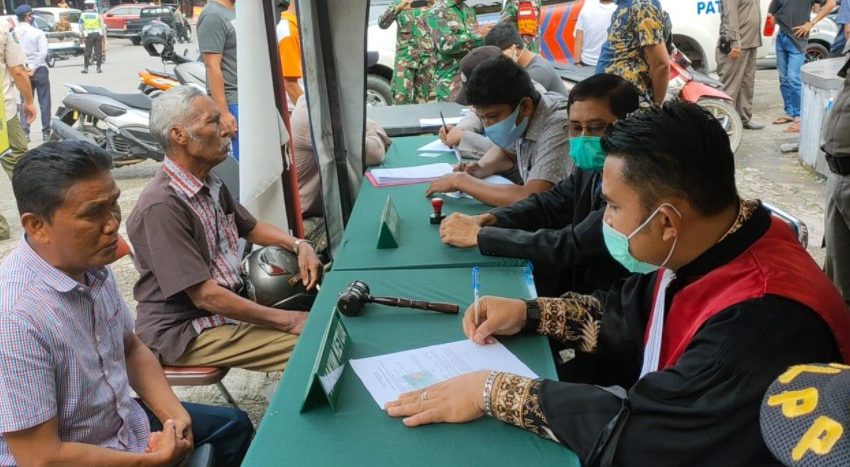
column 388, row 376
column 435, row 146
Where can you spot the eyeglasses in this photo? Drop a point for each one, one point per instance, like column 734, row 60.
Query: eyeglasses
column 593, row 129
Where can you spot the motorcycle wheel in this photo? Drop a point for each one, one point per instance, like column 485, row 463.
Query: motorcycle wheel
column 728, row 117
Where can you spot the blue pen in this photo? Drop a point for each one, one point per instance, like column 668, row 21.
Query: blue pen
column 476, row 291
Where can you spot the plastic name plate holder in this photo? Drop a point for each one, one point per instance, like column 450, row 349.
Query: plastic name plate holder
column 390, row 227
column 323, row 385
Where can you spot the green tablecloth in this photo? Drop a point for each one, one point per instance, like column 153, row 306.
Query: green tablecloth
column 419, row 243
column 359, row 433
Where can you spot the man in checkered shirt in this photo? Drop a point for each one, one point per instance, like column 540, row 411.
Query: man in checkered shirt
column 69, row 358
column 185, row 229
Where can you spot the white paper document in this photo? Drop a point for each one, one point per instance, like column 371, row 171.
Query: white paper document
column 421, row 173
column 429, row 122
column 435, row 146
column 494, row 179
column 388, row 376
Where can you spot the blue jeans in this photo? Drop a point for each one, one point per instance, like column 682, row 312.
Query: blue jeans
column 234, row 143
column 839, row 43
column 789, row 60
column 227, row 429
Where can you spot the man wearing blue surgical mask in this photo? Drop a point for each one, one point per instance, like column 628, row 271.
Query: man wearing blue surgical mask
column 528, row 128
column 683, row 354
column 560, row 230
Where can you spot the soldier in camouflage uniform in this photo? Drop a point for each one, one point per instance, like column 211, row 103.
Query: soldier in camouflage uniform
column 509, row 12
column 413, row 51
column 454, row 27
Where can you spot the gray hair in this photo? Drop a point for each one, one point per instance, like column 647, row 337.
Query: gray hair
column 169, row 109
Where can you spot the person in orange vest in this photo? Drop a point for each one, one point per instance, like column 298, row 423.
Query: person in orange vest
column 289, row 48
column 525, row 15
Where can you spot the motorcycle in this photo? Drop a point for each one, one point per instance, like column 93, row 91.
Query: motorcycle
column 706, row 92
column 685, row 84
column 116, row 122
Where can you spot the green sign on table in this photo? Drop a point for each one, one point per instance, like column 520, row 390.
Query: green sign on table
column 389, row 229
column 330, row 363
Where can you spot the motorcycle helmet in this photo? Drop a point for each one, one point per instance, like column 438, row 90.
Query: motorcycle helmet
column 272, row 278
column 158, row 39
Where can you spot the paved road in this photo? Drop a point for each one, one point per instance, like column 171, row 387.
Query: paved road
column 763, row 172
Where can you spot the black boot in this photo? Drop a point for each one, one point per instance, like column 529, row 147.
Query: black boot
column 85, row 70
column 99, row 70
column 85, row 65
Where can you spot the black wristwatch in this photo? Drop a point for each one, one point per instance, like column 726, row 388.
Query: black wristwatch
column 532, row 316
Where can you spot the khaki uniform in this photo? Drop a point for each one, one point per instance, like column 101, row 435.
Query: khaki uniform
column 454, row 28
column 11, row 55
column 414, row 53
column 740, row 23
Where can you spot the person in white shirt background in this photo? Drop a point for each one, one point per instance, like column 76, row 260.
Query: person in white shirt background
column 592, row 30
column 34, row 43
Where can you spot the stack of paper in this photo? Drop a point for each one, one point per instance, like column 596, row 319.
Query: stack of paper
column 438, row 122
column 408, row 175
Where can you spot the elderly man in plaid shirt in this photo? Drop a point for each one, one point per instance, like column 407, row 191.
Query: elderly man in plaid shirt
column 68, row 355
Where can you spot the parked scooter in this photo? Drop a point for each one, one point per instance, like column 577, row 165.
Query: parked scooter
column 686, row 84
column 116, row 122
column 683, row 87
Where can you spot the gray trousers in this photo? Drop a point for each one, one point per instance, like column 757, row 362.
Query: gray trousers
column 837, row 233
column 739, row 79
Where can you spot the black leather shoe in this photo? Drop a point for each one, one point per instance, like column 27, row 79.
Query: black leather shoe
column 753, row 126
column 84, row 71
column 99, row 70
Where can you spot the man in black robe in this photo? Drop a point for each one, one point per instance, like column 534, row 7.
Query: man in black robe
column 723, row 300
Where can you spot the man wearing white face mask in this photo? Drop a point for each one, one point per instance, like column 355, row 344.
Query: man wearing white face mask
column 684, row 352
column 528, row 128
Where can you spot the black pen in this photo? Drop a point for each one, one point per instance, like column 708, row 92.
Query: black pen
column 457, row 153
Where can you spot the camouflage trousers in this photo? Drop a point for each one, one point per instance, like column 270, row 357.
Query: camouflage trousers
column 411, row 85
column 445, row 81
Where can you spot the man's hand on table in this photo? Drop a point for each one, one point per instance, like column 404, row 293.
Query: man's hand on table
column 309, row 265
column 447, row 183
column 497, row 316
column 460, row 230
column 457, row 400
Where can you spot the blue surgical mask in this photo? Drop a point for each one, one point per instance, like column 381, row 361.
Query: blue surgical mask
column 586, row 152
column 506, row 132
column 618, row 245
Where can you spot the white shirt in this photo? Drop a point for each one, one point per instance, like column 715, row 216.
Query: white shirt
column 594, row 20
column 34, row 43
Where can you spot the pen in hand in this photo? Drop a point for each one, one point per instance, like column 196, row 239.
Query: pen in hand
column 476, row 292
column 446, row 129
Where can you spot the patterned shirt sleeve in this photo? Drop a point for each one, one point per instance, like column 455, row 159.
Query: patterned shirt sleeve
column 550, row 163
column 573, row 320
column 516, row 400
column 650, row 24
column 389, row 15
column 27, row 388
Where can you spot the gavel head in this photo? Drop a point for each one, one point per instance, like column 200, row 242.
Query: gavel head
column 352, row 298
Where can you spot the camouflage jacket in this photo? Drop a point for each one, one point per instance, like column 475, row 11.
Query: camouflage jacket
column 454, row 29
column 414, row 45
column 509, row 11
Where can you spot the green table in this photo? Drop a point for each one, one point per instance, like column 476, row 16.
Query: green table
column 419, row 243
column 359, row 433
